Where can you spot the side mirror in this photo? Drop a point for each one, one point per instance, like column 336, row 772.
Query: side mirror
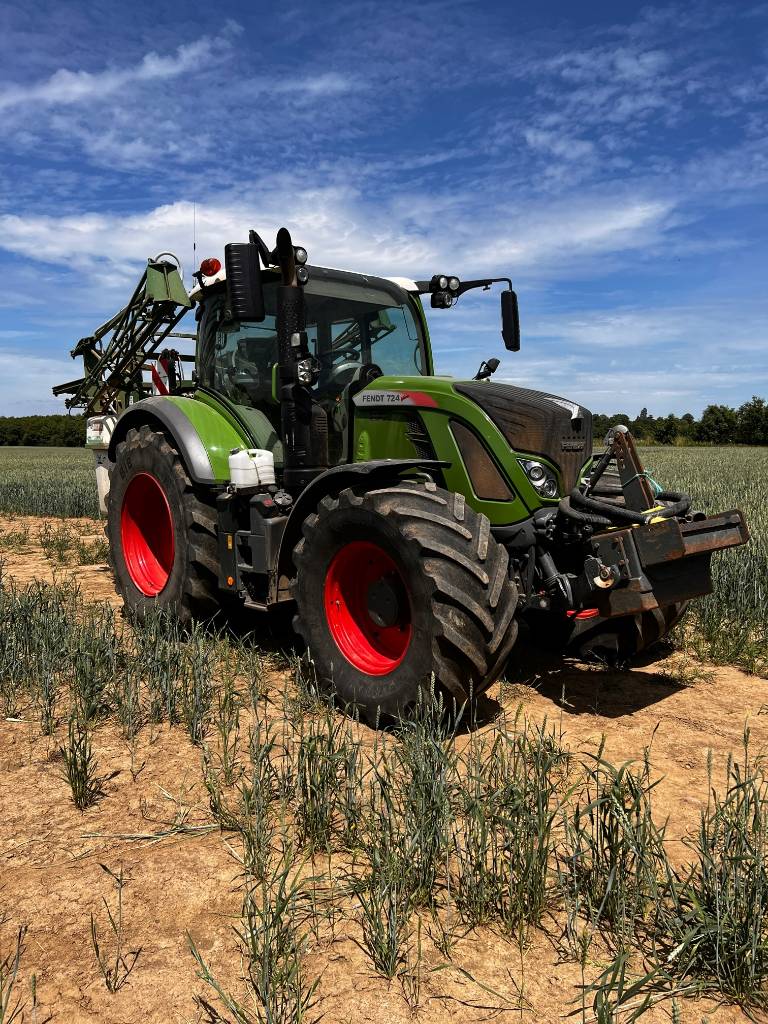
column 510, row 321
column 245, row 293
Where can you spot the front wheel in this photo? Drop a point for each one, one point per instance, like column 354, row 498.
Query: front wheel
column 399, row 586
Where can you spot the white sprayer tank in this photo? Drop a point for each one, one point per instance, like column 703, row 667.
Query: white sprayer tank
column 251, row 467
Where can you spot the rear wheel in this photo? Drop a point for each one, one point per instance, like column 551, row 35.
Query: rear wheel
column 162, row 533
column 399, row 585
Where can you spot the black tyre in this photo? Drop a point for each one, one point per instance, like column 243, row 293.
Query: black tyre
column 162, row 534
column 400, row 584
column 619, row 640
column 616, row 640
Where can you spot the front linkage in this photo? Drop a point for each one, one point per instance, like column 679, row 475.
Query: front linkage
column 634, row 556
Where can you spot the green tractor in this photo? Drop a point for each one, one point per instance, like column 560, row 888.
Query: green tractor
column 314, row 459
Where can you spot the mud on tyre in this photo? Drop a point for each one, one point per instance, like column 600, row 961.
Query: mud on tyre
column 396, row 584
column 162, row 535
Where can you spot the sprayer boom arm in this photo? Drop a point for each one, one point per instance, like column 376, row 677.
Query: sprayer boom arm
column 114, row 355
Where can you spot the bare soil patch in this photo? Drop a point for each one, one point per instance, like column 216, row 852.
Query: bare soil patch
column 50, row 853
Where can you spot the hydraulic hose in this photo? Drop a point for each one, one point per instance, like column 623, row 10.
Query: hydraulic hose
column 578, row 506
column 681, row 503
column 585, row 518
column 616, row 513
column 605, row 489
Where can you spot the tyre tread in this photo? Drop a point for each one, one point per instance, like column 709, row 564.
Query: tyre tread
column 474, row 601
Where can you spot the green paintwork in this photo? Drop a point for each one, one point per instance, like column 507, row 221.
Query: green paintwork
column 379, row 434
column 227, row 410
column 164, row 284
column 215, row 427
column 384, row 437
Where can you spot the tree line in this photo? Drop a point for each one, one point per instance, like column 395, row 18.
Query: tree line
column 719, row 424
column 59, row 431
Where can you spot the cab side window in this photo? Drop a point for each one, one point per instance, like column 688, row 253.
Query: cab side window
column 243, row 359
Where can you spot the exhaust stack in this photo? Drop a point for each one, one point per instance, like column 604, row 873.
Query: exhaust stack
column 304, row 422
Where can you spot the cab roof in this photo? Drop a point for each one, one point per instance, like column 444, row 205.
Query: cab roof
column 346, row 275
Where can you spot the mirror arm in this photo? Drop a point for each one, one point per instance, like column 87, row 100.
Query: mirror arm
column 261, row 245
column 424, row 287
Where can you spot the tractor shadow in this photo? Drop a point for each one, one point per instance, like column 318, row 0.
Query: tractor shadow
column 573, row 686
column 578, row 687
column 270, row 632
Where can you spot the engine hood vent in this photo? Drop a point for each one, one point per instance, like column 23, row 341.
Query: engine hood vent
column 537, row 423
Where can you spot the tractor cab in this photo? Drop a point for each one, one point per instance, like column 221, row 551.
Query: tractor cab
column 357, row 328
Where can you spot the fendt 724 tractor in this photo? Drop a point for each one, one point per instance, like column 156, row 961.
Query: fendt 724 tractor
column 314, row 457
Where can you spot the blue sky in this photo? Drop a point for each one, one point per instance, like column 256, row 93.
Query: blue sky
column 611, row 158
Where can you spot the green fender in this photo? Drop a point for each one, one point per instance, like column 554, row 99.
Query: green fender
column 367, row 475
column 203, row 433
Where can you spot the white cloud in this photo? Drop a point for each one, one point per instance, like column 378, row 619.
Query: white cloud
column 619, row 62
column 714, row 327
column 559, row 144
column 26, row 381
column 329, row 83
column 342, row 228
column 589, row 226
column 65, row 87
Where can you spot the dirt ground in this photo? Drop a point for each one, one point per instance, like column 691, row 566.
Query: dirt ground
column 51, row 877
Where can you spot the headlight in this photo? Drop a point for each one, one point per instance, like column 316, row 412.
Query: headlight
column 542, row 478
column 549, row 490
column 453, row 283
column 442, row 282
column 305, row 371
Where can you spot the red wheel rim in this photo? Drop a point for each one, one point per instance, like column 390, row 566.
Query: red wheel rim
column 146, row 528
column 371, row 647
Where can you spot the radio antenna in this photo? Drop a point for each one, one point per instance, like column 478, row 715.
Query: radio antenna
column 194, row 237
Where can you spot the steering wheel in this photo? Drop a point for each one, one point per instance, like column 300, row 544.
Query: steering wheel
column 334, row 380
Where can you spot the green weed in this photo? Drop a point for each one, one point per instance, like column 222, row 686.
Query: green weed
column 80, row 765
column 115, row 965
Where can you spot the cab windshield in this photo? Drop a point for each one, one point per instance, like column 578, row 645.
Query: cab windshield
column 349, row 325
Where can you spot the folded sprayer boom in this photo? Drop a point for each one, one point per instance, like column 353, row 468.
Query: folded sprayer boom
column 115, row 354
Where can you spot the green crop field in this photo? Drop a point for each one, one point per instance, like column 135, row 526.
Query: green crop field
column 731, row 626
column 543, row 858
column 47, row 482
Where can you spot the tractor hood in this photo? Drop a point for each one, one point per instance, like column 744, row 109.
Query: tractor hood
column 537, row 423
column 531, row 422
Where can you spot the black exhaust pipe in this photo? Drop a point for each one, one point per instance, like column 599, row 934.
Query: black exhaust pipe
column 304, row 423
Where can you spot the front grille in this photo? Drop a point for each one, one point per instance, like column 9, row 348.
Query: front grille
column 415, row 430
column 417, row 434
column 537, row 423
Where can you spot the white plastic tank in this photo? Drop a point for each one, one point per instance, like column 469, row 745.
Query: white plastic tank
column 251, row 467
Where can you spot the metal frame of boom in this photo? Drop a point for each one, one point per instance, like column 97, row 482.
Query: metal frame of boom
column 113, row 364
